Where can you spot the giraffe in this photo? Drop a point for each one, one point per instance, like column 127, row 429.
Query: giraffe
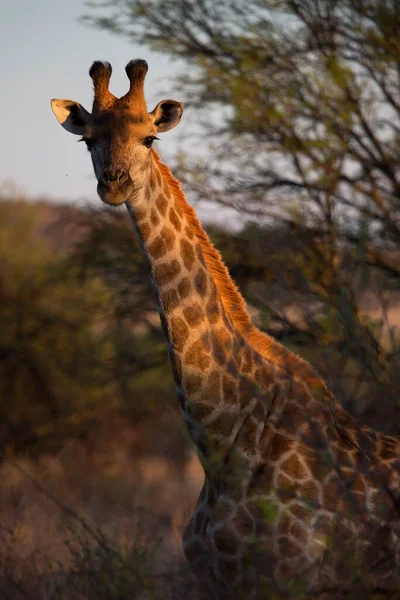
column 299, row 500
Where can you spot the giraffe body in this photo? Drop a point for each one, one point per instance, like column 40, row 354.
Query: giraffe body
column 298, row 498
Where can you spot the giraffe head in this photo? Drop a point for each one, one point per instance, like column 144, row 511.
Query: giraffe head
column 118, row 132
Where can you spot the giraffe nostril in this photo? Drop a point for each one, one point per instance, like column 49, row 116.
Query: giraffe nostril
column 118, row 175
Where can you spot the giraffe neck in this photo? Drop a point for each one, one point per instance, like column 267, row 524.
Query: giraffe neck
column 224, row 368
column 204, row 346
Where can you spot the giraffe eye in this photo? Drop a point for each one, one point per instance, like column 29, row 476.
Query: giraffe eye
column 148, row 141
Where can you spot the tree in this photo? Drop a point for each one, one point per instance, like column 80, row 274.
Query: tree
column 51, row 356
column 305, row 136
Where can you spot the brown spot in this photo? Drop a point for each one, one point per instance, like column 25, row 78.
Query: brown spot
column 225, row 541
column 246, row 391
column 205, row 338
column 200, row 282
column 193, row 383
column 309, row 492
column 228, row 569
column 298, row 531
column 356, row 483
column 342, row 458
column 279, row 445
column 187, row 254
column 332, row 493
column 158, row 176
column 284, row 524
column 200, row 255
column 322, row 524
column 213, row 387
column 223, row 425
column 157, row 248
column 266, row 378
column 294, row 415
column 384, row 505
column 303, row 512
column 200, row 410
column 231, row 366
column 243, row 522
column 196, row 356
column 221, row 511
column 189, row 232
column 179, row 333
column 221, row 344
column 193, row 315
column 266, row 527
column 168, row 236
column 229, row 389
column 155, row 219
column 162, row 204
column 170, row 300
column 193, row 551
column 259, row 411
column 313, row 410
column 287, row 548
column 286, row 488
column 184, row 288
column 145, row 231
column 345, row 420
column 175, row 220
column 213, row 312
column 248, row 436
column 167, row 272
column 140, row 213
column 225, row 338
column 293, row 467
column 262, row 478
column 318, row 462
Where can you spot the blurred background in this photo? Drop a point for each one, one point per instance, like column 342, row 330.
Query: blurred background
column 290, row 149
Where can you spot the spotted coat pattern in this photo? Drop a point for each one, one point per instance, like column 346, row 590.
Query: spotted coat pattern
column 297, row 495
column 299, row 500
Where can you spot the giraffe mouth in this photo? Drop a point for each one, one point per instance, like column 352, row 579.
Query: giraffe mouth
column 113, row 192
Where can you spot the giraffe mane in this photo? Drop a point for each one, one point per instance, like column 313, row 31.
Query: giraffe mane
column 232, row 300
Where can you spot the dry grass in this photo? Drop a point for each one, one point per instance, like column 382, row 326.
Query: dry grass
column 114, row 504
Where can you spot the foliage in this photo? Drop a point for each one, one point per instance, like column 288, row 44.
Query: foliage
column 101, row 569
column 300, row 103
column 69, row 351
column 50, row 356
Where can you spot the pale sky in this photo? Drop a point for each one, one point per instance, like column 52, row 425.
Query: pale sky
column 46, row 53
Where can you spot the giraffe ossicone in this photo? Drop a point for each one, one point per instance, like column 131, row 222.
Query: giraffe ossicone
column 298, row 498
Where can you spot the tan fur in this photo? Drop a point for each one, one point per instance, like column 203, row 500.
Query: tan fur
column 232, row 299
column 100, row 74
column 134, row 100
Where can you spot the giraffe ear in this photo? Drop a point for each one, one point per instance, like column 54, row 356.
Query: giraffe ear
column 166, row 115
column 71, row 115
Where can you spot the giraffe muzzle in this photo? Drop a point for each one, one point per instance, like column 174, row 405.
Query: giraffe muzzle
column 115, row 177
column 115, row 185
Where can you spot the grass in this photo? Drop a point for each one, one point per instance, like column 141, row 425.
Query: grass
column 96, row 522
